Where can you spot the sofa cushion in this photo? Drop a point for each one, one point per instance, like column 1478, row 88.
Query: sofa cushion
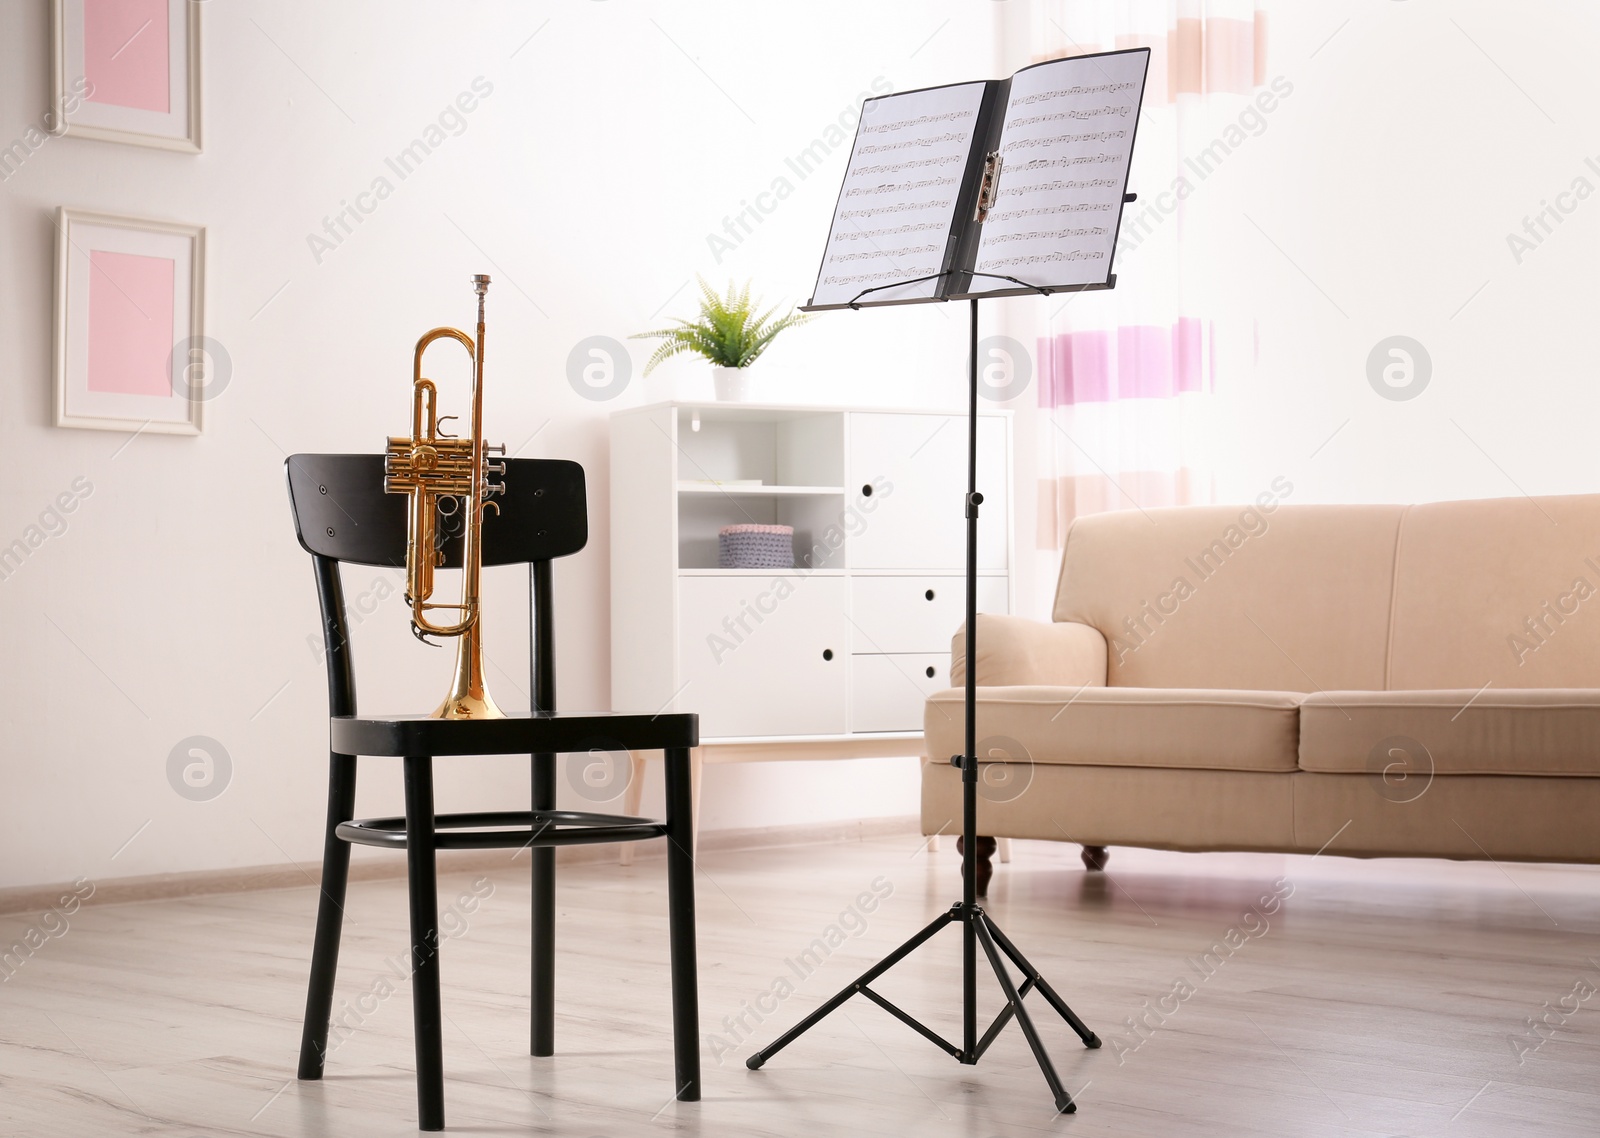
column 1192, row 728
column 1292, row 599
column 1554, row 731
column 1505, row 590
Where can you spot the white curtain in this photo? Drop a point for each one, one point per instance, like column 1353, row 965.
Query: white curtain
column 1126, row 377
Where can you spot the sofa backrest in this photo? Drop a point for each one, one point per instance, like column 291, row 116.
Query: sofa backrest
column 1369, row 597
column 1296, row 599
column 1503, row 592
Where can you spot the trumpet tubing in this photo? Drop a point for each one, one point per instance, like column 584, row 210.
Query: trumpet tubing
column 430, row 467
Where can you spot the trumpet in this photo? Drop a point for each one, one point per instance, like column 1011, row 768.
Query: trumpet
column 432, row 468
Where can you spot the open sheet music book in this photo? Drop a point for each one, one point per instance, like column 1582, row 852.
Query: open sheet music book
column 907, row 225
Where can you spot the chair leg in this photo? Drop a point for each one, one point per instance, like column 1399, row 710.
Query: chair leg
column 633, row 798
column 680, row 912
column 697, row 764
column 542, row 998
column 330, row 918
column 1004, row 846
column 423, row 887
column 933, row 844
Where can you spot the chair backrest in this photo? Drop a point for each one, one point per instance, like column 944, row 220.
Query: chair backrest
column 342, row 513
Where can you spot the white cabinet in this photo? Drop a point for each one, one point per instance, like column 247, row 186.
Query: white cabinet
column 849, row 641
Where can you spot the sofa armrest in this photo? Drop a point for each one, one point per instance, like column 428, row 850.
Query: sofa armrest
column 1013, row 651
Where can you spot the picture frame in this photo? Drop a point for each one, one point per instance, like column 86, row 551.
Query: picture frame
column 127, row 71
column 129, row 323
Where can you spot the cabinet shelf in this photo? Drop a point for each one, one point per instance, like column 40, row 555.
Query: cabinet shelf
column 760, row 491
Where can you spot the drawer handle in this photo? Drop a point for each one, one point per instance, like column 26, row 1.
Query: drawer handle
column 929, row 594
column 827, row 653
column 931, row 672
column 866, row 490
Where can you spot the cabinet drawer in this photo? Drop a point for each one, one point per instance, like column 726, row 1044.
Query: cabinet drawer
column 888, row 692
column 915, row 614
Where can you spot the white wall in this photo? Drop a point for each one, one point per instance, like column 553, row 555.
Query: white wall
column 1419, row 136
column 614, row 141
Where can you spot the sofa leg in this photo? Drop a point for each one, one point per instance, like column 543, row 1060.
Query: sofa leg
column 1095, row 857
column 983, row 867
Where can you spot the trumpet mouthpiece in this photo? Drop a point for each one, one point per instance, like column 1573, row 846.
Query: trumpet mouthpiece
column 481, row 283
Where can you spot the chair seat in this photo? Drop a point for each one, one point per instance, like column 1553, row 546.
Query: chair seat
column 535, row 828
column 514, row 735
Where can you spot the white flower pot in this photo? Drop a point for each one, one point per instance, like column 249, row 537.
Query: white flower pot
column 732, row 383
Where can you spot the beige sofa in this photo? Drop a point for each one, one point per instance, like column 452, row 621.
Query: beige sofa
column 1370, row 680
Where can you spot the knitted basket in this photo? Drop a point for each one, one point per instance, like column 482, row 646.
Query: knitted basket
column 755, row 547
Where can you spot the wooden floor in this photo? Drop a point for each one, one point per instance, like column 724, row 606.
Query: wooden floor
column 1379, row 998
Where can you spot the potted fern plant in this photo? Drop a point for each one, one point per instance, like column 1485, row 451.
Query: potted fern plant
column 729, row 332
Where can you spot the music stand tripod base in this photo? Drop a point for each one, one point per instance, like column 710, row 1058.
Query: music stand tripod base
column 995, row 943
column 977, row 927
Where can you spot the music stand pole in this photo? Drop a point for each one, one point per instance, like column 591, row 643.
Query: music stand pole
column 977, row 928
column 969, row 742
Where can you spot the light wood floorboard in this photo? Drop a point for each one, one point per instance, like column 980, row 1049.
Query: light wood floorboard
column 1380, row 999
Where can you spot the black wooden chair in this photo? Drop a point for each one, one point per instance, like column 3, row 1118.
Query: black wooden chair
column 342, row 514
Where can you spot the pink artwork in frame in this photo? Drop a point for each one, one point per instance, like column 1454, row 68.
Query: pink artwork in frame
column 125, row 54
column 127, row 71
column 130, row 346
column 130, row 323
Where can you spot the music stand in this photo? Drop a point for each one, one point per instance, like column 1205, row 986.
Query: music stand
column 955, row 281
column 977, row 927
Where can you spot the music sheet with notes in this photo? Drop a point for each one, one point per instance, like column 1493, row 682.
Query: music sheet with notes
column 1065, row 144
column 896, row 216
column 906, row 211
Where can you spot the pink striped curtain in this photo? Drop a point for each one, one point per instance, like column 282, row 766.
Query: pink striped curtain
column 1126, row 377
